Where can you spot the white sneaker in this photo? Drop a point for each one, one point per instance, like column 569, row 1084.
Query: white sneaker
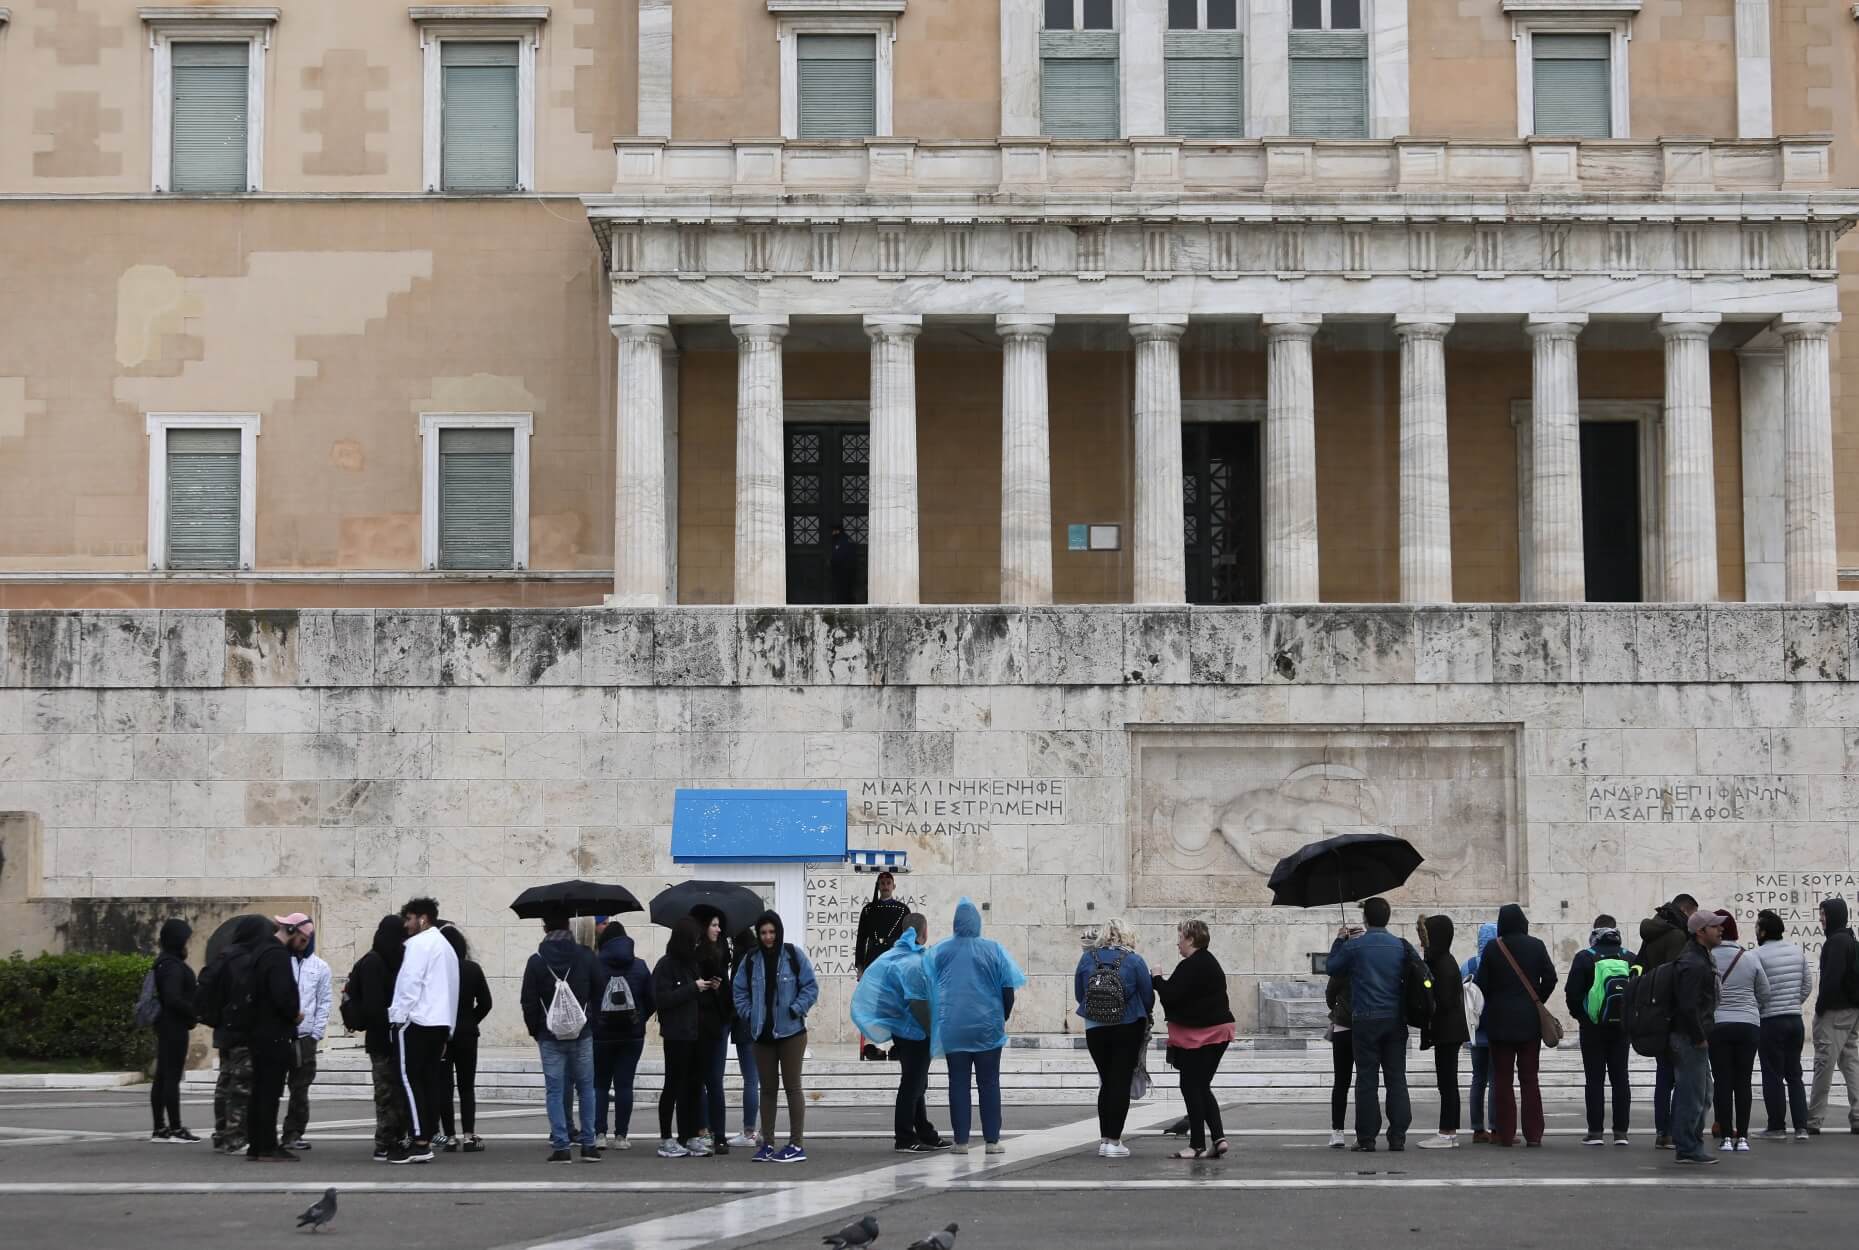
column 699, row 1148
column 1116, row 1150
column 670, row 1149
column 1742, row 1145
column 1728, row 1143
column 996, row 1148
column 745, row 1138
column 1337, row 1142
column 1103, row 1149
column 1441, row 1141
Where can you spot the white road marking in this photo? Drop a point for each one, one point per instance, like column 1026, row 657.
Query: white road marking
column 1665, row 1180
column 90, row 1189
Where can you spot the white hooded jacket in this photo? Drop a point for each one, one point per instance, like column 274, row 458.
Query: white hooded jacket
column 426, row 991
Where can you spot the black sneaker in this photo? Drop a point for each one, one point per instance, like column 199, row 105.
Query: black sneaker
column 451, row 1146
column 401, row 1154
column 871, row 1053
column 940, row 1144
column 719, row 1145
column 1363, row 1147
column 380, row 1156
column 916, row 1148
column 181, row 1135
column 1397, row 1143
column 590, row 1154
column 161, row 1137
column 560, row 1156
column 299, row 1144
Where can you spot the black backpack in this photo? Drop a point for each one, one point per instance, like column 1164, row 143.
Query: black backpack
column 1104, row 996
column 1649, row 1009
column 1416, row 988
column 237, row 1013
column 209, row 990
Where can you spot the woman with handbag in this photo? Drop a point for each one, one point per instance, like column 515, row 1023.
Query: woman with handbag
column 1200, row 1028
column 1517, row 977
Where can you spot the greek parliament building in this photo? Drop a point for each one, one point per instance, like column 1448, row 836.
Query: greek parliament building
column 1075, row 450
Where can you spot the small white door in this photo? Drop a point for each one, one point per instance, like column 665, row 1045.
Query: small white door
column 782, row 887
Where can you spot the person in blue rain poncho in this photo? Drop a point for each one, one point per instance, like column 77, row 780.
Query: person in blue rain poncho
column 1484, row 1101
column 975, row 979
column 896, row 1002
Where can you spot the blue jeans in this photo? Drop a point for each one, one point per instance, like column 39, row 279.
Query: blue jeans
column 568, row 1065
column 1381, row 1049
column 1691, row 1094
column 713, row 1107
column 751, row 1086
column 986, row 1065
column 615, row 1065
column 1484, row 1100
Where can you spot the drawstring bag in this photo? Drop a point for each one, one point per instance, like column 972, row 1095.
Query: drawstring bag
column 566, row 1017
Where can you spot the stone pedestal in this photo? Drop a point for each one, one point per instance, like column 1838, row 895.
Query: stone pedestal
column 1807, row 455
column 1690, row 495
column 1161, row 556
column 893, row 561
column 639, row 528
column 761, row 496
column 1558, row 574
column 1026, row 460
column 1290, row 461
column 1426, row 496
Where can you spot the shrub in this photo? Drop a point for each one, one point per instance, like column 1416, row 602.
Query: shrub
column 75, row 1007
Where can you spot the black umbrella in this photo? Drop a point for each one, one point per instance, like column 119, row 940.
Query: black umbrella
column 737, row 904
column 578, row 898
column 1346, row 867
column 222, row 936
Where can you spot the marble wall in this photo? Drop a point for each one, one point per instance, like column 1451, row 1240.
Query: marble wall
column 1057, row 765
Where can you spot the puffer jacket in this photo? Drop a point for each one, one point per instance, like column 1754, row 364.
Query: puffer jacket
column 1662, row 936
column 1785, row 965
column 1742, row 986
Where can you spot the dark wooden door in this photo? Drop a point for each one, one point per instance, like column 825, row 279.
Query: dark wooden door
column 828, row 486
column 1220, row 486
column 1610, row 511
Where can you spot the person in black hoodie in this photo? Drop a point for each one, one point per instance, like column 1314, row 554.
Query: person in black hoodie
column 567, row 1062
column 232, row 1091
column 174, row 990
column 676, row 986
column 1694, row 1014
column 1200, row 1028
column 460, row 1062
column 365, row 997
column 1513, row 986
column 271, row 1011
column 715, row 1018
column 1836, row 1016
column 1662, row 940
column 1445, row 1031
column 619, row 1033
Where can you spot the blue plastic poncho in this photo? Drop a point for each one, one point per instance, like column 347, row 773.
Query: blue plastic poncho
column 971, row 971
column 881, row 1003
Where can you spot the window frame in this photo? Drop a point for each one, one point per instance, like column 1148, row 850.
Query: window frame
column 156, row 426
column 522, row 428
column 1116, row 19
column 169, row 25
column 1240, row 8
column 468, row 23
column 1366, row 25
column 880, row 25
column 1525, row 26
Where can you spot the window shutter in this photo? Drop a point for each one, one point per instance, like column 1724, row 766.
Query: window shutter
column 1329, row 85
column 478, row 115
column 838, row 77
column 208, row 143
column 1078, row 84
column 1573, row 87
column 203, row 499
column 1204, row 84
column 477, row 499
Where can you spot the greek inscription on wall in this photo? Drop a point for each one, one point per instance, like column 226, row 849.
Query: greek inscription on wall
column 1795, row 897
column 1678, row 800
column 956, row 807
column 834, row 899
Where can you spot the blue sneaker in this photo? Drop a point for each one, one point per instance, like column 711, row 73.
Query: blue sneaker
column 789, row 1153
column 763, row 1153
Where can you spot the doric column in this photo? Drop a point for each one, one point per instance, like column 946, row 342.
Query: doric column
column 639, row 526
column 1690, row 492
column 1426, row 492
column 1290, row 460
column 892, row 558
column 1026, row 460
column 1807, row 455
column 1161, row 550
column 761, row 498
column 1759, row 405
column 1555, row 459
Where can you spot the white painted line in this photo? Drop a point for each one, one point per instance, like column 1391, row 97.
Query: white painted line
column 1674, row 1179
column 91, row 1189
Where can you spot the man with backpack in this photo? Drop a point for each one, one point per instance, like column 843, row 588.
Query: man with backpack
column 365, row 999
column 1662, row 938
column 267, row 1008
column 560, row 996
column 1836, row 1017
column 1596, row 994
column 422, row 1013
column 232, row 1091
column 1694, row 1015
column 1379, row 966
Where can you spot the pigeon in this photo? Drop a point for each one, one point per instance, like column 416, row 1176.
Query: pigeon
column 321, row 1213
column 944, row 1240
column 862, row 1233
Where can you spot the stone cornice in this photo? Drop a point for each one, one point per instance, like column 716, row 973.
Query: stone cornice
column 162, row 15
column 477, row 13
column 836, row 6
column 1572, row 6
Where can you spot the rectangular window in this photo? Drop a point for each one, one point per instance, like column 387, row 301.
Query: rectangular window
column 1204, row 84
column 1079, row 80
column 203, row 503
column 838, row 85
column 477, row 495
column 1572, row 84
column 479, row 115
column 211, row 110
column 1329, row 84
column 1326, row 14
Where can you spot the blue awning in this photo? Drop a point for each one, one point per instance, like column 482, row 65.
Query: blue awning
column 758, row 826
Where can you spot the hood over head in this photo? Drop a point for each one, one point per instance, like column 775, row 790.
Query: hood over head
column 769, row 917
column 907, row 941
column 1598, row 938
column 616, row 953
column 250, row 930
column 967, row 919
column 1512, row 920
column 1836, row 913
column 1487, row 933
column 1439, row 935
column 174, row 935
column 390, row 936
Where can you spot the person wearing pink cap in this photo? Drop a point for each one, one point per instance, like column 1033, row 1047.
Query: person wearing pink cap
column 315, row 994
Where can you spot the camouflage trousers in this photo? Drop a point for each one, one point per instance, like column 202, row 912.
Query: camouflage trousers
column 232, row 1095
column 390, row 1115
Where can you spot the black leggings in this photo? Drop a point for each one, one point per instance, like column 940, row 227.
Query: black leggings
column 164, row 1096
column 1446, row 1076
column 1733, row 1064
column 1343, row 1066
column 683, row 1079
column 461, row 1068
column 1114, row 1048
column 1197, row 1077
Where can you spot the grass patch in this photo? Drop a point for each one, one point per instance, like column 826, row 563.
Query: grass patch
column 13, row 1066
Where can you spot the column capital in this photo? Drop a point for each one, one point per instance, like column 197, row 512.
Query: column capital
column 1423, row 325
column 1688, row 325
column 1158, row 327
column 759, row 327
column 1024, row 325
column 893, row 326
column 1292, row 325
column 641, row 326
column 1555, row 325
column 1806, row 325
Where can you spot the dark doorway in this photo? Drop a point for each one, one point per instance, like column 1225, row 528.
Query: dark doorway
column 1610, row 510
column 828, row 487
column 1220, row 493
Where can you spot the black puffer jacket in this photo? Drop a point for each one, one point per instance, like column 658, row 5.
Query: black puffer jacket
column 1662, row 936
column 1510, row 1013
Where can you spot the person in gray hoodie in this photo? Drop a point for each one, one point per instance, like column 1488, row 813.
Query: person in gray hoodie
column 1742, row 999
column 1782, row 1033
column 1836, row 1016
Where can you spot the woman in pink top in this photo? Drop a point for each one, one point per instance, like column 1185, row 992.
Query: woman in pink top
column 1200, row 1027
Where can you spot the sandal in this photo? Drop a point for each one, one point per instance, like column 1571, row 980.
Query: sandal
column 1188, row 1152
column 1220, row 1148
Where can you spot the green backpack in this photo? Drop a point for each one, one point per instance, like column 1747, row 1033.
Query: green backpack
column 1607, row 995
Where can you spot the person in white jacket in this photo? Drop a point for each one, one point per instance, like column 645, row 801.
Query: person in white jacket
column 421, row 1015
column 315, row 994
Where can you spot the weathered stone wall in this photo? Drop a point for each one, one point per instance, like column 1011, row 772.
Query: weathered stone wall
column 1057, row 765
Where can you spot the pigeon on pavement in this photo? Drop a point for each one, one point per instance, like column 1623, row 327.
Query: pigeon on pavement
column 944, row 1240
column 321, row 1213
column 862, row 1233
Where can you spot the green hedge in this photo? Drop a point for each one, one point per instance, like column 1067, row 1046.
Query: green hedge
column 75, row 1007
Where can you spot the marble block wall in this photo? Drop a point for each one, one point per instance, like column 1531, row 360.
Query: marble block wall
column 1058, row 765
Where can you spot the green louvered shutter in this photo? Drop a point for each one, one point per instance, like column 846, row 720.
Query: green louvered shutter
column 211, row 83
column 1078, row 84
column 479, row 111
column 1329, row 84
column 1204, row 84
column 477, row 499
column 838, row 86
column 1573, row 84
column 203, row 499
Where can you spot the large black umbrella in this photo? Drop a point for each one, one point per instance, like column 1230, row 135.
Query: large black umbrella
column 1347, row 867
column 737, row 904
column 579, row 898
column 222, row 936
